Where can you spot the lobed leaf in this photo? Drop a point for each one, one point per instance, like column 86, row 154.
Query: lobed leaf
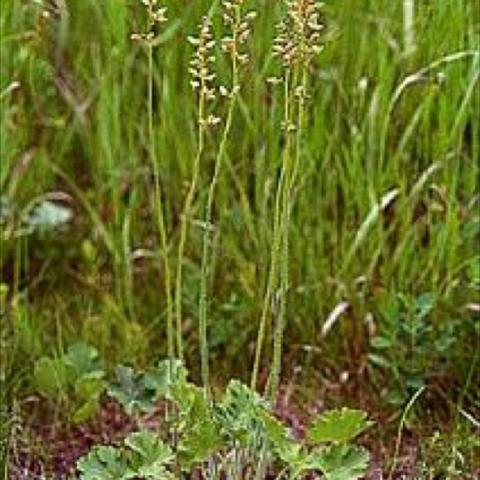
column 148, row 455
column 104, row 463
column 130, row 390
column 340, row 425
column 50, row 376
column 341, row 462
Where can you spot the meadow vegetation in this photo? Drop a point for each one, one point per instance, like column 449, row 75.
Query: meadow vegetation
column 281, row 197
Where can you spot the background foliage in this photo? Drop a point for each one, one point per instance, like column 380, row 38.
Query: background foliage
column 385, row 219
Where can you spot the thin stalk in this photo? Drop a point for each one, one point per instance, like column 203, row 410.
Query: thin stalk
column 158, row 200
column 299, row 131
column 291, row 171
column 207, row 240
column 185, row 218
column 276, row 244
column 274, row 377
column 128, row 274
column 401, row 425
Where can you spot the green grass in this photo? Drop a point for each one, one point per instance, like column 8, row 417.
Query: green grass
column 379, row 121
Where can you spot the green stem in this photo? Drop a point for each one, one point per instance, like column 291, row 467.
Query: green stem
column 299, row 131
column 186, row 217
column 158, row 201
column 291, row 172
column 276, row 244
column 207, row 239
column 284, row 216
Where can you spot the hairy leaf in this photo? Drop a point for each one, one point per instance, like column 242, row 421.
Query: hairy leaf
column 149, row 456
column 104, row 463
column 339, row 462
column 240, row 415
column 338, row 426
column 130, row 390
column 279, row 436
column 164, row 376
column 200, row 430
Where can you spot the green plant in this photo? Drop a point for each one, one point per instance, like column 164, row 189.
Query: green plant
column 200, row 68
column 138, row 392
column 143, row 456
column 451, row 454
column 227, row 436
column 384, row 206
column 238, row 30
column 412, row 346
column 156, row 16
column 76, row 378
column 297, row 45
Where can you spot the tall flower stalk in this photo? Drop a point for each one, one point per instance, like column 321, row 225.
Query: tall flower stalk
column 156, row 16
column 272, row 280
column 238, row 27
column 297, row 44
column 202, row 78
